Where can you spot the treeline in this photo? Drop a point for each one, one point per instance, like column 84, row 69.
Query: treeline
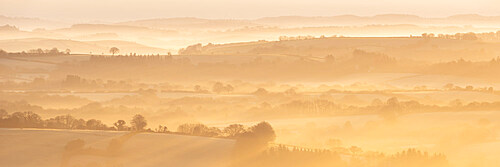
column 78, row 83
column 253, row 144
column 259, row 68
column 465, row 36
column 292, row 108
column 484, row 69
column 133, row 58
column 36, row 52
column 138, row 123
column 389, row 109
column 30, row 119
column 255, row 148
column 169, row 68
column 283, row 156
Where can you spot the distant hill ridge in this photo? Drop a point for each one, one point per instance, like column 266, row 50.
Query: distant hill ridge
column 279, row 21
column 298, row 21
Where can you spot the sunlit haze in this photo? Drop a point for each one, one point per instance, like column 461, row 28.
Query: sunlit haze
column 227, row 83
column 122, row 10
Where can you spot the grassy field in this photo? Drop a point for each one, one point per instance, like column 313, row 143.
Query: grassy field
column 433, row 50
column 44, row 148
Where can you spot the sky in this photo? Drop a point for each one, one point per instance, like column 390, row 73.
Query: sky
column 123, row 10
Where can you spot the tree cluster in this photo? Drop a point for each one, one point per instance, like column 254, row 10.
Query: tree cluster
column 285, row 156
column 30, row 119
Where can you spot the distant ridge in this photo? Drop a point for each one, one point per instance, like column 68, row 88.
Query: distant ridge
column 180, row 23
column 190, row 23
column 309, row 21
column 26, row 23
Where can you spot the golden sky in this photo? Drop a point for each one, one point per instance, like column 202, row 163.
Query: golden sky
column 121, row 10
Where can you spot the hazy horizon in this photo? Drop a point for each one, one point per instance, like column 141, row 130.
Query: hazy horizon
column 115, row 10
column 231, row 83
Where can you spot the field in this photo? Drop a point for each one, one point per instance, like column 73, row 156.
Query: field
column 45, row 148
column 417, row 49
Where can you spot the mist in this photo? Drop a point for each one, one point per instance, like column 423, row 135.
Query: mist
column 249, row 83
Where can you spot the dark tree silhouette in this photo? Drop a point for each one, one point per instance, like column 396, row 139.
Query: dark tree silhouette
column 264, row 131
column 234, row 130
column 198, row 130
column 54, row 51
column 219, row 88
column 162, row 129
column 256, row 138
column 139, row 122
column 261, row 92
column 114, row 50
column 94, row 124
column 120, row 125
column 25, row 120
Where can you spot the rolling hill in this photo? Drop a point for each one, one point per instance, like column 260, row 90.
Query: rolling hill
column 317, row 21
column 26, row 23
column 417, row 49
column 45, row 148
column 183, row 23
column 97, row 47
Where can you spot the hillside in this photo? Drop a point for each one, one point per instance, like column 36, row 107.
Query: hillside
column 97, row 47
column 307, row 21
column 417, row 49
column 190, row 23
column 106, row 28
column 45, row 148
column 455, row 20
column 26, row 23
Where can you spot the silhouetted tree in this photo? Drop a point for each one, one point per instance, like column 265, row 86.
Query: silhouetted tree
column 199, row 130
column 114, row 50
column 161, row 129
column 469, row 36
column 253, row 142
column 94, row 124
column 120, row 125
column 218, row 87
column 258, row 136
column 329, row 59
column 261, row 92
column 234, row 130
column 139, row 122
column 67, row 51
column 66, row 122
column 391, row 110
column 415, row 158
column 24, row 120
column 54, row 51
